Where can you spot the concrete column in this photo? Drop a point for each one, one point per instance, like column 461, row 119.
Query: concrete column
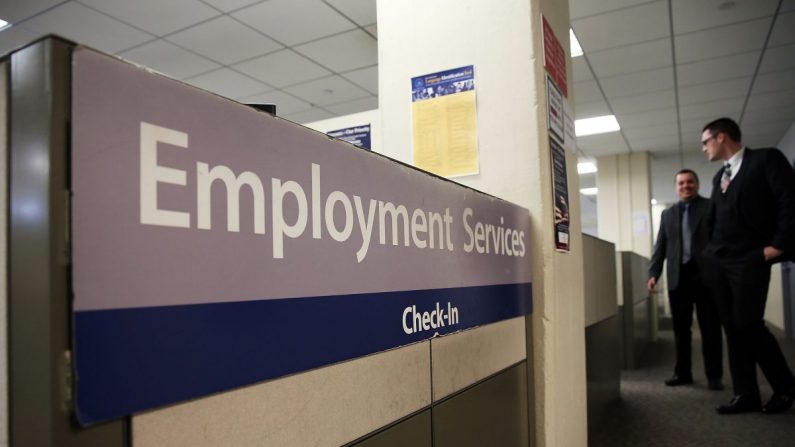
column 624, row 202
column 503, row 40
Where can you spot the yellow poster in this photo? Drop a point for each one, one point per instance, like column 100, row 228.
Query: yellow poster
column 445, row 122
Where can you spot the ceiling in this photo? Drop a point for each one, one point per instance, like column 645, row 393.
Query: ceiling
column 663, row 67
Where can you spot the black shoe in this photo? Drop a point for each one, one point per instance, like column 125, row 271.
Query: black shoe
column 677, row 381
column 740, row 404
column 715, row 385
column 780, row 402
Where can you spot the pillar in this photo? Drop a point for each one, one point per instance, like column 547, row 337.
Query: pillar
column 503, row 41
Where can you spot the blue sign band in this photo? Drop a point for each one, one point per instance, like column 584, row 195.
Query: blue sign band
column 129, row 360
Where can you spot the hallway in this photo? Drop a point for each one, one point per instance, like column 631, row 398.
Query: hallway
column 652, row 415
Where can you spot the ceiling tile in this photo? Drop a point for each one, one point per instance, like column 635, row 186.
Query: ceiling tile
column 326, row 91
column 282, row 68
column 230, row 5
column 644, row 102
column 15, row 37
column 228, row 83
column 169, row 59
column 718, row 69
column 714, row 91
column 315, row 114
column 224, row 40
column 591, row 109
column 638, row 24
column 285, row 104
column 773, row 82
column 581, row 70
column 692, row 15
column 638, row 82
column 366, row 78
column 632, row 58
column 653, row 144
column 786, row 113
column 86, row 26
column 707, row 111
column 647, row 119
column 770, row 100
column 779, row 58
column 587, row 91
column 156, row 16
column 658, row 131
column 362, row 12
column 359, row 105
column 16, row 11
column 343, row 52
column 788, row 5
column 294, row 21
column 583, row 8
column 722, row 41
column 372, row 29
column 783, row 30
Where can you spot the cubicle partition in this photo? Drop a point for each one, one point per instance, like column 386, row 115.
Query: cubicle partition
column 184, row 270
column 637, row 311
column 602, row 330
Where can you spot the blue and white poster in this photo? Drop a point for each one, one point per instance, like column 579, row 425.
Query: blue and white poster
column 357, row 135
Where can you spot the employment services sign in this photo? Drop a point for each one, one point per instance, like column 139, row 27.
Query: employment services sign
column 215, row 246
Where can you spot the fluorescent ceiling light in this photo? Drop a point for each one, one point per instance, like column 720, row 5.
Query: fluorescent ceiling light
column 596, row 125
column 574, row 44
column 3, row 24
column 586, row 167
column 589, row 191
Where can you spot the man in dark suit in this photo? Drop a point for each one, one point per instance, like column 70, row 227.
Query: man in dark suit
column 753, row 226
column 683, row 235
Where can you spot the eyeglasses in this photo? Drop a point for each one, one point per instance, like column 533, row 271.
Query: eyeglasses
column 704, row 143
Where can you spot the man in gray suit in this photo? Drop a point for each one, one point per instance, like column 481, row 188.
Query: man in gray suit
column 684, row 233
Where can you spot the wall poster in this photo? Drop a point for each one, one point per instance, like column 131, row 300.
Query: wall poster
column 560, row 191
column 444, row 122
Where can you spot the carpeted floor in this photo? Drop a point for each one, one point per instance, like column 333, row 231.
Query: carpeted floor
column 651, row 414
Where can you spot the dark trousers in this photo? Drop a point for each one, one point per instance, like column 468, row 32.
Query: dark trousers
column 739, row 284
column 692, row 292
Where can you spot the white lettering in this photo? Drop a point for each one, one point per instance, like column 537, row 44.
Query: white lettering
column 152, row 174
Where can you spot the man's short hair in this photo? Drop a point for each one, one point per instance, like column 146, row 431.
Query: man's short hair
column 727, row 126
column 688, row 171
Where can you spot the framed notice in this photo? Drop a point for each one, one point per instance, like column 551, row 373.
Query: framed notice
column 560, row 191
column 444, row 122
column 554, row 57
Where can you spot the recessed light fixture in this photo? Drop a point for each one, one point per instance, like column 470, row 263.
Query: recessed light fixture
column 574, row 44
column 586, row 167
column 589, row 191
column 596, row 125
column 653, row 201
column 3, row 24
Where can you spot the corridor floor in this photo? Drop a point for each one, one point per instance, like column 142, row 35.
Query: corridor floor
column 649, row 414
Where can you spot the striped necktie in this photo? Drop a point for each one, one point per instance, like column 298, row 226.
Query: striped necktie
column 727, row 177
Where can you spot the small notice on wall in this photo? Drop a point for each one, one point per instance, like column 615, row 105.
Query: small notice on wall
column 560, row 191
column 555, row 115
column 445, row 123
column 357, row 135
column 554, row 57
